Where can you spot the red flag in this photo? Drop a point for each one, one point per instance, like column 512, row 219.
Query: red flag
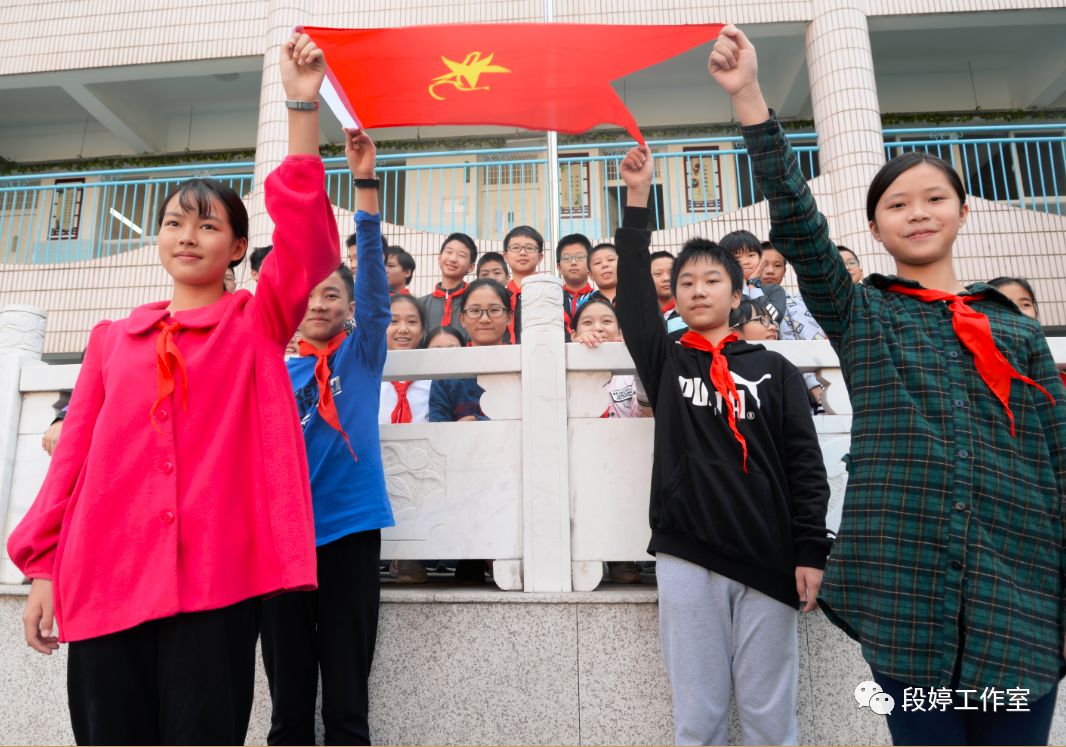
column 540, row 76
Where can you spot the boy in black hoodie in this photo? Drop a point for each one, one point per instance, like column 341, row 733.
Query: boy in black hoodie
column 738, row 494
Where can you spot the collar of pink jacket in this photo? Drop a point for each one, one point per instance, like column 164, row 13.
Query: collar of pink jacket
column 144, row 318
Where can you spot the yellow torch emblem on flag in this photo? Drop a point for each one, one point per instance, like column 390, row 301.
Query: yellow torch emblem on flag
column 464, row 75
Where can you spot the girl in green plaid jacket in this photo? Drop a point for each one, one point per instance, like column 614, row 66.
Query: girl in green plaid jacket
column 949, row 564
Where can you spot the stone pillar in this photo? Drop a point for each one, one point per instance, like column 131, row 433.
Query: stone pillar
column 545, row 459
column 21, row 343
column 847, row 113
column 272, row 137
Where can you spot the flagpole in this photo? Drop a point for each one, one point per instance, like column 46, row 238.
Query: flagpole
column 552, row 201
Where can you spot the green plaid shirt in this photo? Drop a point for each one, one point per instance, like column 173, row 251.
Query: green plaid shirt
column 949, row 564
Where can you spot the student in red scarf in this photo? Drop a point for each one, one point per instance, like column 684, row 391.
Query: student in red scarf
column 572, row 262
column 456, row 260
column 337, row 379
column 159, row 528
column 523, row 247
column 951, row 562
column 738, row 493
column 405, row 401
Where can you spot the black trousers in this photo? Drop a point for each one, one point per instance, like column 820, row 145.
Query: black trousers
column 332, row 630
column 186, row 679
column 951, row 726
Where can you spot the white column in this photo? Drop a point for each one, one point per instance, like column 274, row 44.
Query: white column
column 272, row 137
column 847, row 113
column 21, row 343
column 545, row 459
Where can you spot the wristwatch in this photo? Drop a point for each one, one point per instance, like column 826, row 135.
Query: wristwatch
column 302, row 106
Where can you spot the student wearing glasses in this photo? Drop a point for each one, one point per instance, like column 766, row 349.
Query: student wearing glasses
column 572, row 261
column 753, row 321
column 523, row 248
column 851, row 262
column 485, row 312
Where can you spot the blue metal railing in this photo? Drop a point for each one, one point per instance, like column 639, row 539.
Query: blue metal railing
column 72, row 216
column 1024, row 165
column 80, row 215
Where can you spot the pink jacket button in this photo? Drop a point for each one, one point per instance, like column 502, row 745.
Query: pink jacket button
column 167, row 517
column 168, row 467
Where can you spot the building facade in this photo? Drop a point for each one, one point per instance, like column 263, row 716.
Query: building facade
column 106, row 105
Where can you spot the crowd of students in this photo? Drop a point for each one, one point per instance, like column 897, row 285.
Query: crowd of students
column 165, row 552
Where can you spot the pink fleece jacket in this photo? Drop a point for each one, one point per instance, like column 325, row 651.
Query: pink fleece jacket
column 133, row 524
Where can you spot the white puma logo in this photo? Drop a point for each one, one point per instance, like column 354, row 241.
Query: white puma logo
column 752, row 386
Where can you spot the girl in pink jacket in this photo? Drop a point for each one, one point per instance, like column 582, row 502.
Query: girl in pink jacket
column 179, row 496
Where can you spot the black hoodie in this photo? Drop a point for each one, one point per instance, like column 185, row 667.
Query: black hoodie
column 753, row 527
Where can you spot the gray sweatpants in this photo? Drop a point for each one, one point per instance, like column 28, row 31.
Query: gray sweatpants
column 720, row 637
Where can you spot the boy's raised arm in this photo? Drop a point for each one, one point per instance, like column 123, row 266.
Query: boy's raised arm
column 372, row 308
column 637, row 304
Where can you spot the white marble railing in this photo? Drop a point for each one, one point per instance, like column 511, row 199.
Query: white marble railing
column 547, row 487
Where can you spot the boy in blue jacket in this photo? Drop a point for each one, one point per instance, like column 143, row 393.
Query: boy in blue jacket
column 337, row 382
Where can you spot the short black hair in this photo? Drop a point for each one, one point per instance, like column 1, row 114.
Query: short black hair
column 349, row 279
column 601, row 247
column 407, row 262
column 438, row 331
column 660, row 255
column 843, row 248
column 904, row 162
column 197, row 194
column 573, row 238
column 350, row 242
column 749, row 309
column 527, row 231
column 741, row 241
column 699, row 248
column 503, row 293
column 1006, row 280
column 463, row 239
column 492, row 257
column 255, row 259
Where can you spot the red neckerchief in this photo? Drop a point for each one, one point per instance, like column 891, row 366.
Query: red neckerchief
column 516, row 291
column 326, row 406
column 403, row 292
column 1062, row 375
column 575, row 295
column 167, row 356
column 438, row 292
column 721, row 380
column 975, row 333
column 668, row 307
column 402, row 412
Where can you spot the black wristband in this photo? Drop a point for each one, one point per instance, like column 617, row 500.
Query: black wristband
column 366, row 183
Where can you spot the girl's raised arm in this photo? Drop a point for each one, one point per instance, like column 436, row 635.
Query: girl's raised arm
column 797, row 230
column 306, row 241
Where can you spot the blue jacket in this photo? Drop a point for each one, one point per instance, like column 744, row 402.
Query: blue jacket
column 451, row 399
column 349, row 496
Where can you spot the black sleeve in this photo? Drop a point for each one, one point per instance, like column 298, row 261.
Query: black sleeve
column 637, row 305
column 807, row 481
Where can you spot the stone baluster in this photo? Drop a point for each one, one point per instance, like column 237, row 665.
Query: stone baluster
column 21, row 343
